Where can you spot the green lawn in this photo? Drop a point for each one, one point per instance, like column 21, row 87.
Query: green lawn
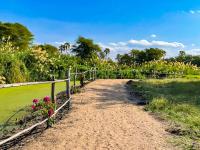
column 177, row 100
column 15, row 98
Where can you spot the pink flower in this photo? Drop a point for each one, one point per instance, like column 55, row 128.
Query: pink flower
column 46, row 99
column 35, row 101
column 50, row 112
column 33, row 107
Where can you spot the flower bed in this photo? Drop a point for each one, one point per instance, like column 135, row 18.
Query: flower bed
column 40, row 110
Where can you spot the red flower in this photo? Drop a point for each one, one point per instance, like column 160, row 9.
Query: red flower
column 46, row 99
column 35, row 101
column 50, row 112
column 33, row 107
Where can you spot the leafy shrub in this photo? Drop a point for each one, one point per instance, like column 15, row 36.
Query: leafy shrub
column 15, row 72
column 2, row 80
column 12, row 68
column 173, row 69
column 137, row 74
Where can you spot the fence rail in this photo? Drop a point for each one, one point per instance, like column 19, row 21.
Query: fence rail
column 83, row 78
column 29, row 83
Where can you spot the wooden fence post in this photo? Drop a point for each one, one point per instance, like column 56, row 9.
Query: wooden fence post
column 90, row 73
column 75, row 75
column 81, row 80
column 53, row 90
column 93, row 74
column 84, row 77
column 106, row 74
column 68, row 84
column 68, row 90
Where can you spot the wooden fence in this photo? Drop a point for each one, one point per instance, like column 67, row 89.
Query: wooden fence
column 84, row 77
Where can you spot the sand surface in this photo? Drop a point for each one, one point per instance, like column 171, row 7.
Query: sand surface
column 102, row 117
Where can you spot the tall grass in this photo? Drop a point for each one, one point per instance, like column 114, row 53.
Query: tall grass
column 177, row 100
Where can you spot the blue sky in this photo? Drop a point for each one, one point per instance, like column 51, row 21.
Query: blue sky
column 120, row 25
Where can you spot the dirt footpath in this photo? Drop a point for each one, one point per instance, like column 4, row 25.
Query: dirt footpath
column 103, row 118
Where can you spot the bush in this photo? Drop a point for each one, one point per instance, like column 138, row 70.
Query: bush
column 15, row 71
column 2, row 80
column 170, row 69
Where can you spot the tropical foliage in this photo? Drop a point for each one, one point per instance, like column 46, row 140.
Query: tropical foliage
column 22, row 61
column 164, row 67
column 18, row 34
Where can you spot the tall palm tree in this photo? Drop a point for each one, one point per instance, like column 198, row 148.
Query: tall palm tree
column 64, row 47
column 107, row 51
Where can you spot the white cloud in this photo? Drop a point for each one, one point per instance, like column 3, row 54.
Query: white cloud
column 110, row 46
column 168, row 44
column 193, row 51
column 156, row 43
column 118, row 44
column 171, row 48
column 116, row 48
column 140, row 42
column 122, row 43
column 153, row 36
column 113, row 44
column 194, row 11
column 59, row 43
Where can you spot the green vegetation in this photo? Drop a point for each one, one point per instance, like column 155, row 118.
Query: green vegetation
column 15, row 98
column 177, row 100
column 141, row 56
column 21, row 61
column 18, row 34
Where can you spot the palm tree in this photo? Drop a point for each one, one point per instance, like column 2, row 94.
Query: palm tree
column 107, row 51
column 64, row 47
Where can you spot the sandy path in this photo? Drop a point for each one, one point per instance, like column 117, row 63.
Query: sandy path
column 103, row 118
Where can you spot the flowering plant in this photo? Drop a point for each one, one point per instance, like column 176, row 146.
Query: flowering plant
column 2, row 80
column 45, row 107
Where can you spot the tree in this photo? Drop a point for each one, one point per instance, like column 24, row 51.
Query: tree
column 107, row 51
column 86, row 49
column 102, row 55
column 64, row 47
column 141, row 56
column 124, row 59
column 118, row 58
column 154, row 54
column 50, row 49
column 135, row 55
column 182, row 54
column 18, row 34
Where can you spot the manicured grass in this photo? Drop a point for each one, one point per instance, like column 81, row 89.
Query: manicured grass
column 177, row 100
column 14, row 98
